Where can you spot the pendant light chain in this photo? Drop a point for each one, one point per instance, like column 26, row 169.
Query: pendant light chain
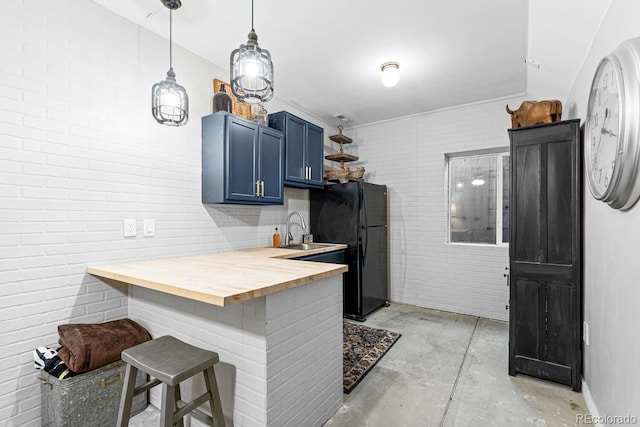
column 169, row 100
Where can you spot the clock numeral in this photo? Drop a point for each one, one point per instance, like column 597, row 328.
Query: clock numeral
column 606, row 180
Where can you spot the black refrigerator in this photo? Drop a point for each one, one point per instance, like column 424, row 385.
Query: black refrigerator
column 355, row 213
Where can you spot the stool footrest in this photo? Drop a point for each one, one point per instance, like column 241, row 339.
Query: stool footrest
column 195, row 413
column 203, row 417
column 146, row 386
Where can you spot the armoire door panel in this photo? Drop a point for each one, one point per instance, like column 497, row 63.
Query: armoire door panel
column 559, row 324
column 559, row 219
column 528, row 207
column 528, row 332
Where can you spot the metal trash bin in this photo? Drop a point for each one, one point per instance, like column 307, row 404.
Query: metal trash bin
column 88, row 399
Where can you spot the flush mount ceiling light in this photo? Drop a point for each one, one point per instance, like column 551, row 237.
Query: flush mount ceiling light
column 169, row 100
column 390, row 73
column 252, row 70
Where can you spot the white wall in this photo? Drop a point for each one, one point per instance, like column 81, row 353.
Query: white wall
column 559, row 49
column 408, row 155
column 611, row 251
column 79, row 152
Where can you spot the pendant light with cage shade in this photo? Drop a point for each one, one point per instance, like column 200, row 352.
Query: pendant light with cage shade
column 251, row 70
column 169, row 100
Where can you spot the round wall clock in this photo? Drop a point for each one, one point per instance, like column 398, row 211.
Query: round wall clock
column 612, row 131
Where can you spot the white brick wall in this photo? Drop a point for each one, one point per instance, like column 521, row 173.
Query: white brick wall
column 235, row 332
column 304, row 354
column 408, row 155
column 79, row 152
column 280, row 355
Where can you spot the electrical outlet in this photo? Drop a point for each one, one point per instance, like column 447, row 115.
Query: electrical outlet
column 149, row 227
column 129, row 229
column 585, row 332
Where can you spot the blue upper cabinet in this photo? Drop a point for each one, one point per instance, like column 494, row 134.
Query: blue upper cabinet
column 304, row 150
column 242, row 162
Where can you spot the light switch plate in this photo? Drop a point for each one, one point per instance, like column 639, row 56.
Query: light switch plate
column 149, row 227
column 129, row 228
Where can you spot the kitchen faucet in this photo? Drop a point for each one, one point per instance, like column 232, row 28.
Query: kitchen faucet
column 288, row 239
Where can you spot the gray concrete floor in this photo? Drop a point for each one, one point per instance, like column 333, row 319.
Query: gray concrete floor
column 451, row 370
column 446, row 370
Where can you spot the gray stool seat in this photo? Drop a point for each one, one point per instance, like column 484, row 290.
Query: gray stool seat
column 169, row 362
column 184, row 361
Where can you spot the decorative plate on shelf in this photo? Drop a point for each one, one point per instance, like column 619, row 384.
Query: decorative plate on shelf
column 238, row 108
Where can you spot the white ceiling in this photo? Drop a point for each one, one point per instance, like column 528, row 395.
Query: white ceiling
column 327, row 53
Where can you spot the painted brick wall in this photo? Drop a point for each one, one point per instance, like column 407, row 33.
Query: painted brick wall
column 408, row 155
column 235, row 332
column 304, row 334
column 79, row 152
column 280, row 355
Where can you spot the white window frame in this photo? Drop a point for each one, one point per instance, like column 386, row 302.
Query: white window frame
column 500, row 153
column 500, row 196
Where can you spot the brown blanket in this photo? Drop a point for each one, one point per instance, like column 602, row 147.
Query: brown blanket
column 92, row 345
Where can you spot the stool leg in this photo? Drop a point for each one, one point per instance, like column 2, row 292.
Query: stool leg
column 180, row 422
column 214, row 397
column 168, row 405
column 126, row 399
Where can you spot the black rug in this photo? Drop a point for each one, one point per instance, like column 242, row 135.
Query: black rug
column 363, row 347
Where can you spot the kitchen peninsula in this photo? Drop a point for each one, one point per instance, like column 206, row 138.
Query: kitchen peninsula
column 275, row 322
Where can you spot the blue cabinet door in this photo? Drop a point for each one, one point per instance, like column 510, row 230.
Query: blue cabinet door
column 242, row 155
column 304, row 150
column 242, row 161
column 335, row 257
column 295, row 155
column 270, row 166
column 315, row 155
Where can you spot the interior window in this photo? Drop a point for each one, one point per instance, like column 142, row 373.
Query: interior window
column 479, row 198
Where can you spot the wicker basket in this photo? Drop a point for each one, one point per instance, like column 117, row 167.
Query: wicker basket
column 339, row 174
column 356, row 173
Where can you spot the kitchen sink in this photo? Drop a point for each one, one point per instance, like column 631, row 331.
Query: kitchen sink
column 306, row 246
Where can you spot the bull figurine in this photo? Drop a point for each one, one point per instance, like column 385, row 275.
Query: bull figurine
column 532, row 112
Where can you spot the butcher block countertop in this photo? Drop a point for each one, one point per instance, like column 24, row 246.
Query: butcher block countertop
column 226, row 277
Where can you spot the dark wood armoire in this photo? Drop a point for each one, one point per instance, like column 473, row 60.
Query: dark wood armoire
column 545, row 250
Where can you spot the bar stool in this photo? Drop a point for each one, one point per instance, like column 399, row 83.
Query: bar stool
column 170, row 361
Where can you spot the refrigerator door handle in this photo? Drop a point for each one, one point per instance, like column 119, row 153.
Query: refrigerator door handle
column 366, row 228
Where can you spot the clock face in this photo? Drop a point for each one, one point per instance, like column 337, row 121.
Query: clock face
column 602, row 142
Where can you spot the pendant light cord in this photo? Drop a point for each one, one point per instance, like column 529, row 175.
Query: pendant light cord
column 171, row 38
column 252, row 28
